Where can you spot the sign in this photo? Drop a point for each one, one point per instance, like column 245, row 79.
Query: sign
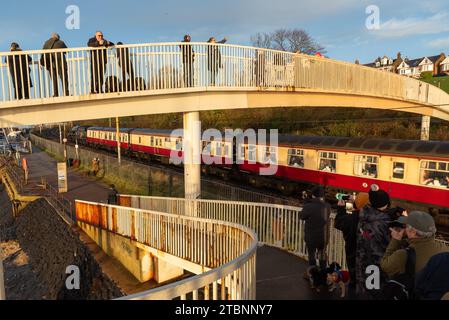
column 62, row 177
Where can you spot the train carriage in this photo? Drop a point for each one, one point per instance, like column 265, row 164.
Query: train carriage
column 105, row 138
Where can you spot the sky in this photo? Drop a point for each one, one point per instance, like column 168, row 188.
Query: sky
column 415, row 28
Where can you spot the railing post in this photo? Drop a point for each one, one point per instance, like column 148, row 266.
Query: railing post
column 2, row 282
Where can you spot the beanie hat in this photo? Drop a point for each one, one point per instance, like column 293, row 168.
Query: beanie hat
column 318, row 192
column 378, row 198
column 361, row 200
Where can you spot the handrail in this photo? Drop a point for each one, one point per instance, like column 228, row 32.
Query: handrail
column 149, row 67
column 228, row 249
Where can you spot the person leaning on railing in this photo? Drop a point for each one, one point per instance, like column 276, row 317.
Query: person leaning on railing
column 19, row 69
column 125, row 63
column 188, row 58
column 99, row 60
column 56, row 63
column 214, row 59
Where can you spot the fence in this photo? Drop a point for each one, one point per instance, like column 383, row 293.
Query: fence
column 79, row 72
column 228, row 249
column 62, row 205
column 275, row 225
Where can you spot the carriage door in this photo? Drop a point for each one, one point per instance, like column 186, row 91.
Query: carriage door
column 398, row 173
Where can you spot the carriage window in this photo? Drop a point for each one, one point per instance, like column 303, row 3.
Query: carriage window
column 179, row 144
column 206, row 147
column 152, row 141
column 241, row 153
column 227, row 150
column 328, row 162
column 398, row 170
column 268, row 155
column 435, row 174
column 296, row 158
column 218, row 149
column 252, row 153
column 366, row 166
column 140, row 140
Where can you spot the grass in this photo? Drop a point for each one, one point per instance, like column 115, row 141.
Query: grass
column 441, row 82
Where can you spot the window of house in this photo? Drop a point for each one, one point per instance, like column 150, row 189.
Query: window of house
column 328, row 162
column 268, row 155
column 435, row 174
column 398, row 170
column 296, row 158
column 366, row 166
column 252, row 153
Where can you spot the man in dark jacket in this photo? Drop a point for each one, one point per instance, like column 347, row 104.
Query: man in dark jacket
column 98, row 62
column 316, row 213
column 56, row 63
column 125, row 63
column 432, row 282
column 113, row 195
column 19, row 69
column 214, row 59
column 373, row 237
column 348, row 223
column 188, row 58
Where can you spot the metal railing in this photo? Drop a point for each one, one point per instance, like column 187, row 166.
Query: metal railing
column 275, row 225
column 50, row 74
column 228, row 249
column 62, row 205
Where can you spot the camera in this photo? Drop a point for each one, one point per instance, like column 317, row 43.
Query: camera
column 342, row 196
column 395, row 213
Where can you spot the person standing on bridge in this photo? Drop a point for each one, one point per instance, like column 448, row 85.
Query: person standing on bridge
column 214, row 59
column 188, row 59
column 56, row 63
column 125, row 63
column 19, row 69
column 316, row 213
column 98, row 61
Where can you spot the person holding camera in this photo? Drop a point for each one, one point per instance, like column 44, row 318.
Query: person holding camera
column 417, row 232
column 347, row 224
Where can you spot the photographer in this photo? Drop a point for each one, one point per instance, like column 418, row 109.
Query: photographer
column 347, row 224
column 419, row 227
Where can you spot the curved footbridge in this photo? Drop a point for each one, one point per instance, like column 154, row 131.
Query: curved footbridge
column 215, row 240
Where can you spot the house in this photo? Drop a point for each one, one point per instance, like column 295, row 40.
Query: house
column 414, row 68
column 386, row 64
column 444, row 66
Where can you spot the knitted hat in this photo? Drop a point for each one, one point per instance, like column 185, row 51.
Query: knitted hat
column 378, row 198
column 318, row 192
column 361, row 200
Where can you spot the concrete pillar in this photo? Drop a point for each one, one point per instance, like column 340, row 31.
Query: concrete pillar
column 425, row 128
column 192, row 155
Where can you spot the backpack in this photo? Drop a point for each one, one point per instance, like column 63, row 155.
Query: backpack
column 402, row 286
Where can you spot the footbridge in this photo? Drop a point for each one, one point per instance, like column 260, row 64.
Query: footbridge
column 54, row 86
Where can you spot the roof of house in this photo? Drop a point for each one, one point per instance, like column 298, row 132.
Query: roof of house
column 434, row 58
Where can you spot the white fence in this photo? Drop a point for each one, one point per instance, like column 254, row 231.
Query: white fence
column 226, row 248
column 275, row 225
column 79, row 72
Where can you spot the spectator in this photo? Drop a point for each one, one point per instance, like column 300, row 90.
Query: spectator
column 260, row 68
column 432, row 282
column 316, row 213
column 214, row 59
column 99, row 60
column 56, row 63
column 113, row 195
column 348, row 223
column 373, row 237
column 188, row 58
column 420, row 231
column 19, row 69
column 125, row 63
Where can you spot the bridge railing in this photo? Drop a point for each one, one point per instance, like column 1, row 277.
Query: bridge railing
column 170, row 66
column 275, row 225
column 226, row 248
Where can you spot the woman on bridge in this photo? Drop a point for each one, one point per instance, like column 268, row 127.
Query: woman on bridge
column 19, row 69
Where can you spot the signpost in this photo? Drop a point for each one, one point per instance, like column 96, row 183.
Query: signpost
column 62, row 177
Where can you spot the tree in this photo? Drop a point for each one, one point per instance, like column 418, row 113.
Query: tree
column 291, row 40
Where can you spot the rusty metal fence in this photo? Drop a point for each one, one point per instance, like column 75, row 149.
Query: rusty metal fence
column 226, row 248
column 275, row 225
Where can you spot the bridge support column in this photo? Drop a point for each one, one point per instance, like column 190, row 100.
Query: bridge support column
column 425, row 128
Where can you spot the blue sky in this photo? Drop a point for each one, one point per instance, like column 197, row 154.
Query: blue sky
column 416, row 28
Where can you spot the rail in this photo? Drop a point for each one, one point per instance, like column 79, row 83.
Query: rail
column 156, row 68
column 228, row 249
column 62, row 205
column 275, row 225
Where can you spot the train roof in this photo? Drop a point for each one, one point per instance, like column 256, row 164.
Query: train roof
column 124, row 130
column 370, row 145
column 158, row 132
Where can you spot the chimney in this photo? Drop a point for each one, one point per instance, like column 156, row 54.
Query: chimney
column 399, row 55
column 357, row 61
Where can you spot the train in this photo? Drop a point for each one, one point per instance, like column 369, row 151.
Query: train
column 415, row 172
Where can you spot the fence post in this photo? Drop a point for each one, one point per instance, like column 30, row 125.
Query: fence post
column 2, row 282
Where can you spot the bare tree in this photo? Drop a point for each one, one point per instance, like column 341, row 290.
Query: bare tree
column 292, row 40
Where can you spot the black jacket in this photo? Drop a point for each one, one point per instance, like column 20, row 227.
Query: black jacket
column 188, row 54
column 99, row 56
column 57, row 59
column 19, row 69
column 433, row 281
column 347, row 224
column 214, row 57
column 316, row 213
